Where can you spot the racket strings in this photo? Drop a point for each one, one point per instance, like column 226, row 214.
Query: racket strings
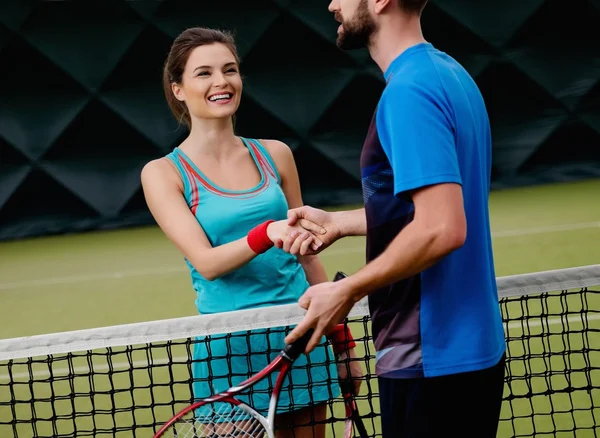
column 220, row 420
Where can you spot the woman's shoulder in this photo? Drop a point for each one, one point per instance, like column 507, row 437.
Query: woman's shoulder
column 275, row 147
column 160, row 169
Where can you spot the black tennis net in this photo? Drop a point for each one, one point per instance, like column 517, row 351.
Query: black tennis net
column 126, row 381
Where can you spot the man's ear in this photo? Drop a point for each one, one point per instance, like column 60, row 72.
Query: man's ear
column 380, row 5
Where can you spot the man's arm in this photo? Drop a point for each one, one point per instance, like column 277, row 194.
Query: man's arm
column 438, row 228
column 417, row 134
column 327, row 226
column 350, row 222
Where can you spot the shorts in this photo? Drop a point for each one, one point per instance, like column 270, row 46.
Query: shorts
column 465, row 404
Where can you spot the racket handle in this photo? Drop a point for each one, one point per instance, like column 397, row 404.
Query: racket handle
column 346, row 386
column 339, row 276
column 294, row 350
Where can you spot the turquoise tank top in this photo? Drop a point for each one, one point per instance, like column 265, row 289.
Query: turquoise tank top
column 272, row 278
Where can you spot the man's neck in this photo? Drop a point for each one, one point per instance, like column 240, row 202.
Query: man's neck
column 397, row 32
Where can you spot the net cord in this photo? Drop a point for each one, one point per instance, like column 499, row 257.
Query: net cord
column 252, row 319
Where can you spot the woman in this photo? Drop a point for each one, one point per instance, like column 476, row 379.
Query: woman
column 223, row 201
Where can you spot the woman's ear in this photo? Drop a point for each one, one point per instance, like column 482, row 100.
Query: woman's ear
column 178, row 92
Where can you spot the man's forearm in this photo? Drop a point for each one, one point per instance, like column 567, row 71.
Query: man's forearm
column 351, row 222
column 412, row 251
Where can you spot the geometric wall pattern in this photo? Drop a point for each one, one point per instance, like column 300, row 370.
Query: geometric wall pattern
column 82, row 107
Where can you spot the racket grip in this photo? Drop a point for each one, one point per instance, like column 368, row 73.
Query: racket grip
column 347, row 387
column 339, row 276
column 293, row 351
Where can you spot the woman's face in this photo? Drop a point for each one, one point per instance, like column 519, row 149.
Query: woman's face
column 211, row 84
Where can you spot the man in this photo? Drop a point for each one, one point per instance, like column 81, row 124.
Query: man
column 430, row 276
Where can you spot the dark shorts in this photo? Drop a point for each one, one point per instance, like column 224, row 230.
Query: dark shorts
column 466, row 405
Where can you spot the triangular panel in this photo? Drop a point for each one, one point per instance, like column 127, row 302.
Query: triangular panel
column 248, row 20
column 102, row 166
column 315, row 14
column 517, row 129
column 302, row 80
column 565, row 66
column 340, row 134
column 14, row 13
column 41, row 203
column 253, row 121
column 452, row 37
column 494, row 20
column 590, row 103
column 573, row 142
column 33, row 115
column 145, row 9
column 595, row 3
column 136, row 205
column 90, row 58
column 323, row 183
column 134, row 90
column 14, row 167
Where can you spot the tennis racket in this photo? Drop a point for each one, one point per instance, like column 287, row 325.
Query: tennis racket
column 352, row 416
column 223, row 415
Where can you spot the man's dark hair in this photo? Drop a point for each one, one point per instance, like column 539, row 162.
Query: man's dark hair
column 415, row 6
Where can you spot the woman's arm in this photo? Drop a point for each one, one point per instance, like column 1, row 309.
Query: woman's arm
column 163, row 191
column 290, row 184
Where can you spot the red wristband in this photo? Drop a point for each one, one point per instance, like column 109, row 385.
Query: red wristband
column 341, row 339
column 257, row 238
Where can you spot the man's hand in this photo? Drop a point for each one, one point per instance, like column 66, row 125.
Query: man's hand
column 328, row 304
column 319, row 222
column 304, row 241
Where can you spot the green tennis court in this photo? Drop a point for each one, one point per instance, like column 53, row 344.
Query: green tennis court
column 107, row 278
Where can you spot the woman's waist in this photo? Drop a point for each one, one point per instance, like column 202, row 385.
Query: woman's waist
column 239, row 291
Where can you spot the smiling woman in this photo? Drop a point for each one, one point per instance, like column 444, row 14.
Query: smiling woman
column 222, row 200
column 189, row 96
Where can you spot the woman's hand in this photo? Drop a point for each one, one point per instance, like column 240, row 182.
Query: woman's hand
column 304, row 243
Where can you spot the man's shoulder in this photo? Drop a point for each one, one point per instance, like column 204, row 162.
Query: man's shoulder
column 406, row 93
column 418, row 82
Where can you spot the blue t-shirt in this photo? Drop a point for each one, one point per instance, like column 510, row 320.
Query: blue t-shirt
column 431, row 127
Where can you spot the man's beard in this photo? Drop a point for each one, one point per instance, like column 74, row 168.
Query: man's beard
column 357, row 33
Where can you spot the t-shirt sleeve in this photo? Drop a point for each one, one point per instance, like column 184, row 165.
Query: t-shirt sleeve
column 417, row 137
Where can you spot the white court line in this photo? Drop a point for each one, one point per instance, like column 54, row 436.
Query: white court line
column 181, row 360
column 549, row 229
column 167, row 270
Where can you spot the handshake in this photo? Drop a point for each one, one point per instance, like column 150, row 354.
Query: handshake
column 307, row 231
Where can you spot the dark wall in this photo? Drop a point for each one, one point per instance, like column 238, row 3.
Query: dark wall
column 82, row 107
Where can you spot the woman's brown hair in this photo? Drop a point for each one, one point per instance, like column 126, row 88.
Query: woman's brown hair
column 180, row 51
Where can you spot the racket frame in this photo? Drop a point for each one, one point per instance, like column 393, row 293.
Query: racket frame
column 282, row 363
